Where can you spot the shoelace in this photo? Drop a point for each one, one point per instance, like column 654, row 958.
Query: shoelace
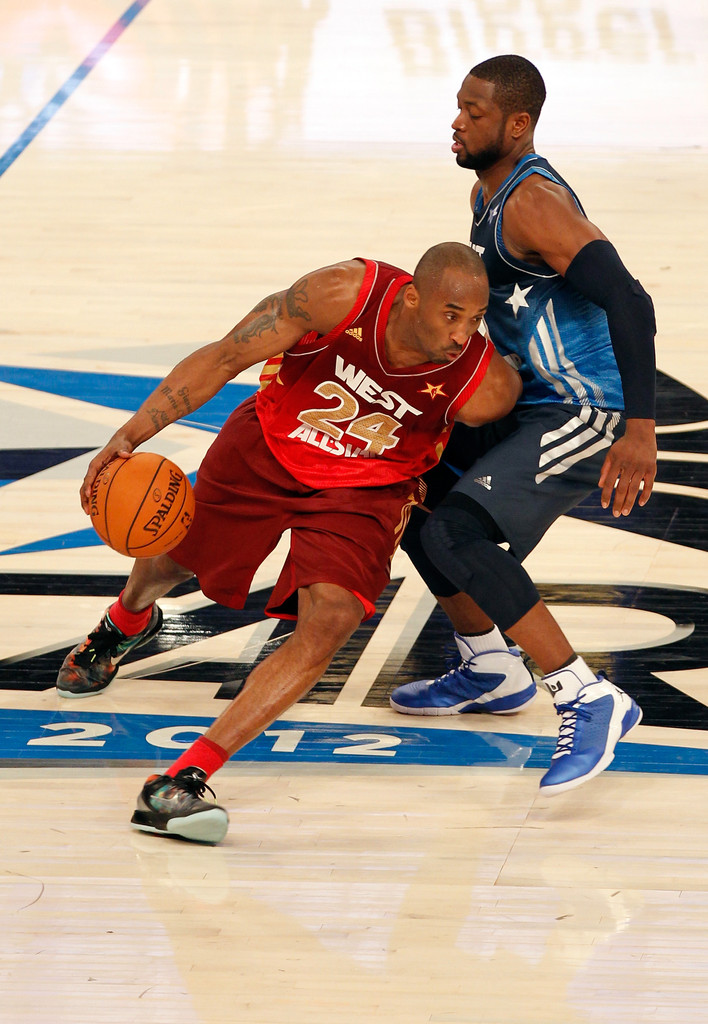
column 101, row 641
column 193, row 784
column 451, row 671
column 569, row 714
column 453, row 662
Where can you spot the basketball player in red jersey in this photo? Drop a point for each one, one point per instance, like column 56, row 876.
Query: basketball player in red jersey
column 373, row 368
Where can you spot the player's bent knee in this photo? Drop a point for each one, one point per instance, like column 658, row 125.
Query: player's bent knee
column 464, row 542
column 457, row 522
column 412, row 544
column 330, row 614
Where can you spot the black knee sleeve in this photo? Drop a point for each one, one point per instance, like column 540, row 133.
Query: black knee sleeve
column 461, row 540
column 436, row 583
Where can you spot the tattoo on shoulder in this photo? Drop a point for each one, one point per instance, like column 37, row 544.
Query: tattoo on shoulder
column 267, row 314
column 293, row 299
column 271, row 303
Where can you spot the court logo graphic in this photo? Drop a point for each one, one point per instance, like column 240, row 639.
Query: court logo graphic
column 677, row 516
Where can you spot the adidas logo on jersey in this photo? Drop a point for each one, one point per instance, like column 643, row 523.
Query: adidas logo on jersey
column 355, row 332
column 484, row 481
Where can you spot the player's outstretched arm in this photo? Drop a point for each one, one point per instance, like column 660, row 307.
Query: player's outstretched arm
column 542, row 220
column 317, row 302
column 496, row 395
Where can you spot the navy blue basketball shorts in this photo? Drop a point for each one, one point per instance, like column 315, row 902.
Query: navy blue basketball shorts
column 528, row 468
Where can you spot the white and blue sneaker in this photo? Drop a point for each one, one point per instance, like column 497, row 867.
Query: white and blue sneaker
column 592, row 724
column 493, row 682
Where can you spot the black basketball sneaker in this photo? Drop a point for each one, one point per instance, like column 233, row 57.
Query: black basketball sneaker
column 92, row 664
column 174, row 807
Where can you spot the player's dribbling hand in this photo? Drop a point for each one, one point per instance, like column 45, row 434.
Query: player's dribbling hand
column 629, row 468
column 117, row 448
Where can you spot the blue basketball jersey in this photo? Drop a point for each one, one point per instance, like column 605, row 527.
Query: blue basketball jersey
column 557, row 339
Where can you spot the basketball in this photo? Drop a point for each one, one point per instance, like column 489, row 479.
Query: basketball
column 141, row 506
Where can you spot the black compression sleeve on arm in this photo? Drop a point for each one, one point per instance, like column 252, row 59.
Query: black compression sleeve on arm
column 598, row 273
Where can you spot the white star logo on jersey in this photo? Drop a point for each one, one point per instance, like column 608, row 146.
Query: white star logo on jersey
column 493, row 212
column 518, row 298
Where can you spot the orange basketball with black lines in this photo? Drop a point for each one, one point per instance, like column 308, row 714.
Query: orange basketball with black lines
column 141, row 506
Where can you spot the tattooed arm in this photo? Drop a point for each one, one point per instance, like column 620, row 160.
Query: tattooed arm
column 316, row 302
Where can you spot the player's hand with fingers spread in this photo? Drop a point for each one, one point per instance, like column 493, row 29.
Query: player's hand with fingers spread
column 117, row 447
column 629, row 468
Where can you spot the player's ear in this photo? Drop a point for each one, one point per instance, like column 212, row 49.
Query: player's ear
column 411, row 296
column 519, row 124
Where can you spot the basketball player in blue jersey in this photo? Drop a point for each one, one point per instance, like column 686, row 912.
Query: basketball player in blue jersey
column 580, row 330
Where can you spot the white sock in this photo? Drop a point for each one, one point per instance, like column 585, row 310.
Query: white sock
column 566, row 683
column 481, row 643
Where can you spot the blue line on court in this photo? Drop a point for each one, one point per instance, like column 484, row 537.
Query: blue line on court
column 86, row 538
column 47, row 736
column 123, row 391
column 72, row 83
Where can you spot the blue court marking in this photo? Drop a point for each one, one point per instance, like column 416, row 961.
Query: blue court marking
column 122, row 391
column 112, row 391
column 18, row 463
column 86, row 538
column 72, row 83
column 78, row 736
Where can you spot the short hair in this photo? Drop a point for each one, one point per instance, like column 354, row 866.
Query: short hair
column 432, row 264
column 518, row 85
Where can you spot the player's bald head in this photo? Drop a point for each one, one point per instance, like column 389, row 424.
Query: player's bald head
column 445, row 256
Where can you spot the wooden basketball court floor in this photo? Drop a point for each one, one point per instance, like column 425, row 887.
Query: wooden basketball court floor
column 165, row 166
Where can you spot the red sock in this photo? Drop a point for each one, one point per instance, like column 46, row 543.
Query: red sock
column 204, row 754
column 128, row 622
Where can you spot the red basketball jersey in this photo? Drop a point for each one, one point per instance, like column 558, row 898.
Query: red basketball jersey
column 336, row 414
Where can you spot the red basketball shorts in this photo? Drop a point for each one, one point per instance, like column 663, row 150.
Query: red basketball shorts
column 245, row 501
